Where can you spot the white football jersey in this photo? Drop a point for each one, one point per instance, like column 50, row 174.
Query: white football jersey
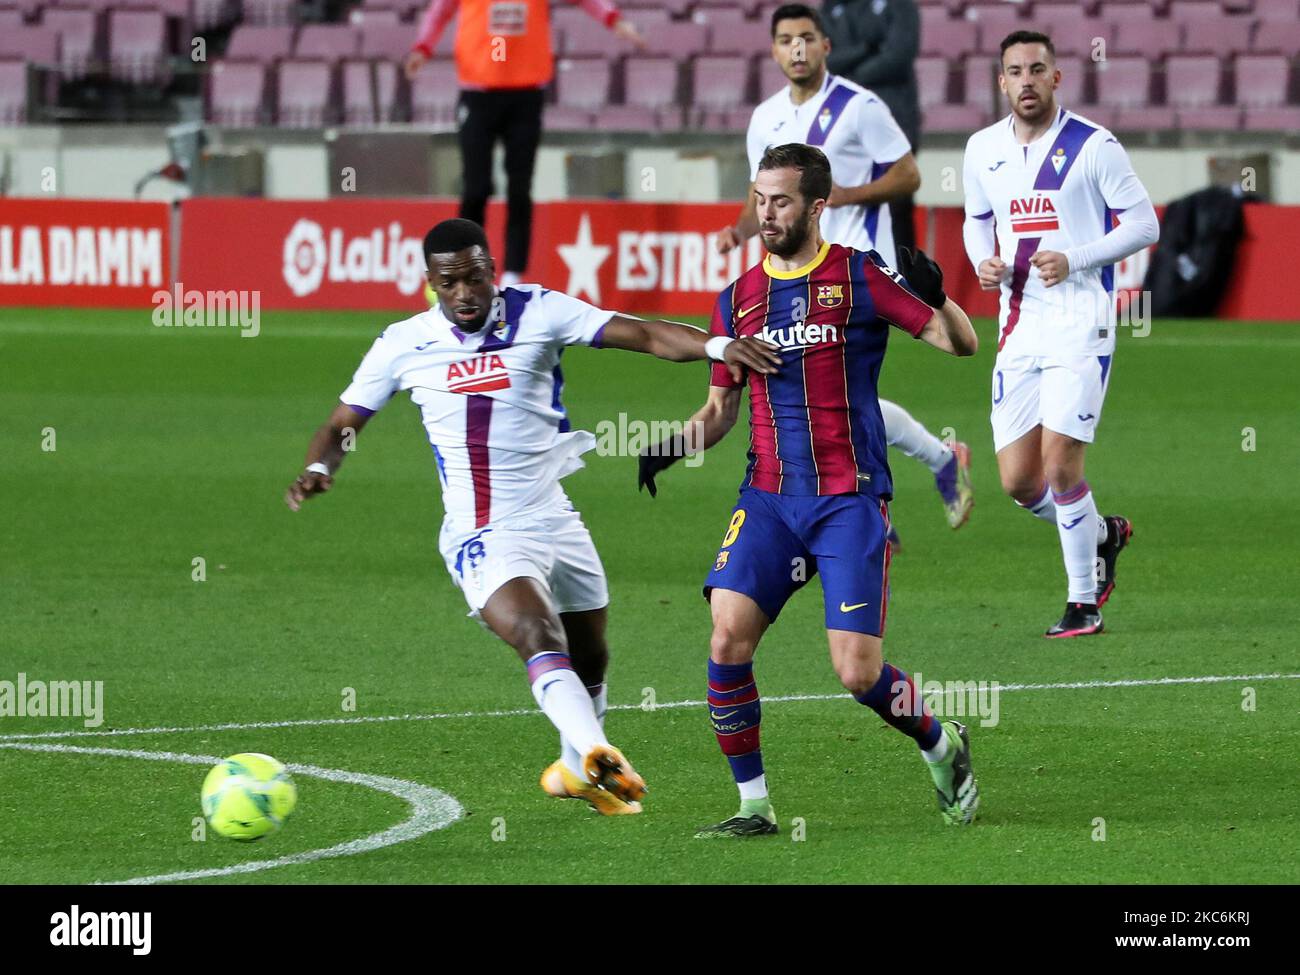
column 489, row 400
column 1063, row 190
column 860, row 138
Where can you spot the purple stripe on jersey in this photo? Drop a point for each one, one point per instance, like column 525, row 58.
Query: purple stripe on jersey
column 514, row 302
column 982, row 216
column 557, row 378
column 1068, row 145
column 596, row 339
column 872, row 217
column 363, row 410
column 442, row 467
column 1108, row 272
column 1105, row 368
column 478, row 422
column 834, row 103
column 1026, row 249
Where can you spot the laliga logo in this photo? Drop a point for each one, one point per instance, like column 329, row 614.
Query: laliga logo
column 304, row 257
column 310, row 259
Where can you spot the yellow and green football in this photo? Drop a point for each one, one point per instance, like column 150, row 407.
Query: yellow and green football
column 248, row 796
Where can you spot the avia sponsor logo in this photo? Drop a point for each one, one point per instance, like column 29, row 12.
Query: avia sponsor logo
column 312, row 258
column 800, row 335
column 481, row 374
column 1033, row 215
column 87, row 256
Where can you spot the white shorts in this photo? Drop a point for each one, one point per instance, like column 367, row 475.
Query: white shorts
column 1063, row 393
column 553, row 547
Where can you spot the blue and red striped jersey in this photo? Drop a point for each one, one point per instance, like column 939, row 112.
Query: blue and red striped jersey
column 815, row 426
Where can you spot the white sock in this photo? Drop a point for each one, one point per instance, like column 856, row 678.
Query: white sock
column 940, row 750
column 1044, row 507
column 753, row 789
column 561, row 696
column 571, row 757
column 1075, row 511
column 903, row 431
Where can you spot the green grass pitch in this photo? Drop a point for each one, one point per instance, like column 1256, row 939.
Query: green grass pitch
column 173, row 444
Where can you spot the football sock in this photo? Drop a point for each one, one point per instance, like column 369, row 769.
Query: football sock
column 735, row 710
column 895, row 698
column 599, row 701
column 1076, row 520
column 561, row 696
column 1103, row 530
column 903, row 431
column 1043, row 507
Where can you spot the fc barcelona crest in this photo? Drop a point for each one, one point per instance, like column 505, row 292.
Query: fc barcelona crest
column 722, row 561
column 830, row 295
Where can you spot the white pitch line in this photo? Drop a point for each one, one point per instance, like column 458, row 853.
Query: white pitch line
column 431, row 809
column 525, row 712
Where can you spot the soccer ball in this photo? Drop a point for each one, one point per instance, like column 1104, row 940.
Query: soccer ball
column 248, row 796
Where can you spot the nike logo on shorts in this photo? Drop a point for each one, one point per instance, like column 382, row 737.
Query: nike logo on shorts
column 845, row 608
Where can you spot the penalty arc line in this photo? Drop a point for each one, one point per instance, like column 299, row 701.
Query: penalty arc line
column 430, row 810
column 668, row 705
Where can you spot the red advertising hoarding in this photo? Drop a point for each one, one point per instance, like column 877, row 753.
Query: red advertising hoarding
column 83, row 253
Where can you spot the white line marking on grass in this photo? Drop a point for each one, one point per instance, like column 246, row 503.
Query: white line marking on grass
column 431, row 809
column 525, row 712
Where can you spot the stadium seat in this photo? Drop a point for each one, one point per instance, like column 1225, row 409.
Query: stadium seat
column 680, row 39
column 327, row 42
column 237, row 93
column 653, row 84
column 388, row 90
column 77, row 28
column 211, row 13
column 948, row 37
column 11, row 19
column 980, row 86
column 1278, row 38
column 434, row 93
column 1124, row 82
column 582, row 83
column 729, row 32
column 1262, row 80
column 1219, row 35
column 1193, row 84
column 35, row 44
column 719, row 86
column 771, row 78
column 1071, row 29
column 932, row 75
column 1151, row 38
column 371, row 17
column 995, row 23
column 358, row 93
column 303, row 93
column 258, row 42
column 137, row 42
column 386, row 40
column 270, row 11
column 1072, row 92
column 13, row 92
column 630, row 118
column 576, row 33
column 1280, row 119
column 1279, row 11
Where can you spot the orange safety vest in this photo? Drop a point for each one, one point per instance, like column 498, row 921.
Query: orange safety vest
column 504, row 44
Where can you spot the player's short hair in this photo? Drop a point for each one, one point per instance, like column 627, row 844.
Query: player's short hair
column 454, row 235
column 1027, row 37
column 814, row 168
column 796, row 11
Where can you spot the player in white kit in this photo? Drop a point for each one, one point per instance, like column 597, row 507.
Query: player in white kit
column 484, row 369
column 871, row 163
column 1052, row 203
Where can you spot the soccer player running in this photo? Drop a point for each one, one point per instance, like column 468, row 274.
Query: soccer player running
column 484, row 369
column 814, row 495
column 871, row 164
column 1044, row 189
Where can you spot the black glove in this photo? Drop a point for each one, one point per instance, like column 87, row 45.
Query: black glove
column 925, row 276
column 663, row 457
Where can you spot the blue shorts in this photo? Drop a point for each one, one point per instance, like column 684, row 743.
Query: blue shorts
column 775, row 543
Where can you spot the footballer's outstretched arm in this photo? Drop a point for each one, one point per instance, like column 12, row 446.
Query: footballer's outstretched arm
column 950, row 330
column 685, row 343
column 709, row 424
column 325, row 453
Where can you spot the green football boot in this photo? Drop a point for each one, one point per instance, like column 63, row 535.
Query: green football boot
column 954, row 781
